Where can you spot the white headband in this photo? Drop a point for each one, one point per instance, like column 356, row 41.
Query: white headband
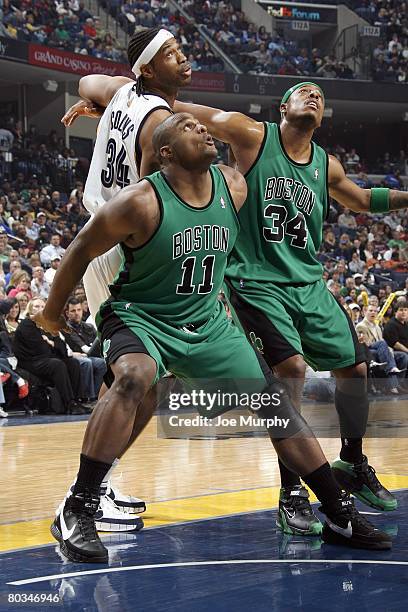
column 152, row 48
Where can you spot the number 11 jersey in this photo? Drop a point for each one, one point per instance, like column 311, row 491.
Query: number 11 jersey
column 177, row 274
column 282, row 218
column 117, row 154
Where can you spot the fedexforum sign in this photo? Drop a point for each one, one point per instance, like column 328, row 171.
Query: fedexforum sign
column 318, row 13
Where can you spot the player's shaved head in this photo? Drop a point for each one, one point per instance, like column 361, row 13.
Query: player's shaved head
column 166, row 132
column 182, row 140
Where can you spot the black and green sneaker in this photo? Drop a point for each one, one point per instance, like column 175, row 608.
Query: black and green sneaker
column 295, row 515
column 360, row 480
column 345, row 526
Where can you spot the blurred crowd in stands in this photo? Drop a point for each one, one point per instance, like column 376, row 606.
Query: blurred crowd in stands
column 41, row 187
column 69, row 25
column 135, row 15
column 256, row 51
column 390, row 56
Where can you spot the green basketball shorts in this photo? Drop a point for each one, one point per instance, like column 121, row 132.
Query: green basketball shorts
column 287, row 320
column 215, row 350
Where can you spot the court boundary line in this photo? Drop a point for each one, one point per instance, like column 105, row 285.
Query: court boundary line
column 218, row 492
column 112, row 570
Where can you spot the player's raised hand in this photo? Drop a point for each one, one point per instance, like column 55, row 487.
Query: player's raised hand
column 52, row 327
column 83, row 108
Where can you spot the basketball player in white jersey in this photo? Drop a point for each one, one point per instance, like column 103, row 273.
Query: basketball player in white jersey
column 123, row 153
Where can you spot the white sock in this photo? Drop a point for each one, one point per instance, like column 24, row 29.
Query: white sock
column 21, row 382
column 109, row 473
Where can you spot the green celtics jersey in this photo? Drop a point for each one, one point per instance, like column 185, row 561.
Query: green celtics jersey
column 282, row 218
column 177, row 275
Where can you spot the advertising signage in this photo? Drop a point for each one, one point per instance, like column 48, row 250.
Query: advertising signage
column 314, row 13
column 50, row 57
column 13, row 50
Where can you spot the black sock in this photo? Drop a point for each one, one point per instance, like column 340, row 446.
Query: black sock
column 90, row 475
column 288, row 478
column 324, row 485
column 351, row 450
column 352, row 409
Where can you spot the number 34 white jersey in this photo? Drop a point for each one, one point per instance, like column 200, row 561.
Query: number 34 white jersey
column 116, row 157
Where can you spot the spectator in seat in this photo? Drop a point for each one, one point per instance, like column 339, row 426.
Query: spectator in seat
column 12, row 318
column 52, row 251
column 370, row 333
column 83, row 342
column 32, row 228
column 8, row 361
column 355, row 313
column 14, row 268
column 20, row 281
column 39, row 286
column 356, row 266
column 5, row 248
column 50, row 273
column 43, row 239
column 46, row 357
column 396, row 334
column 346, row 220
column 22, row 299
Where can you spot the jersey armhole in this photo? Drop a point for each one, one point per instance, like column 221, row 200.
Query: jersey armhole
column 261, row 149
column 138, row 150
column 231, row 198
column 161, row 208
column 327, row 188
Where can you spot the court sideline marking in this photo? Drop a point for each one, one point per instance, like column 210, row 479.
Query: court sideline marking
column 111, row 570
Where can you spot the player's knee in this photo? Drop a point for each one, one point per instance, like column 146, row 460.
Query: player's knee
column 282, row 412
column 352, row 380
column 293, row 367
column 131, row 380
column 360, row 371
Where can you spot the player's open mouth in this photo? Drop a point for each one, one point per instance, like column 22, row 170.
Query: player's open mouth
column 186, row 70
column 209, row 141
column 312, row 105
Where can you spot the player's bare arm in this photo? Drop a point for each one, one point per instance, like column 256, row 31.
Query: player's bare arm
column 347, row 193
column 130, row 217
column 149, row 163
column 236, row 184
column 100, row 88
column 96, row 91
column 243, row 134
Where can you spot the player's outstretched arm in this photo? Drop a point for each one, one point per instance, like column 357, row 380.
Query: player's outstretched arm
column 96, row 91
column 100, row 88
column 132, row 214
column 347, row 193
column 243, row 134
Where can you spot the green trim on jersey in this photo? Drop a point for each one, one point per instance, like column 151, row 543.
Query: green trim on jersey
column 282, row 218
column 177, row 274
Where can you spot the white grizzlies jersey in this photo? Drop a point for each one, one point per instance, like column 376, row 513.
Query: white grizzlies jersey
column 116, row 157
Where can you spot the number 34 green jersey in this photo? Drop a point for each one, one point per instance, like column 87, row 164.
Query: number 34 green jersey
column 282, row 218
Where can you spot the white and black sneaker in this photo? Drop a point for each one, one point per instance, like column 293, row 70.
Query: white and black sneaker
column 109, row 517
column 116, row 511
column 74, row 528
column 126, row 503
column 345, row 526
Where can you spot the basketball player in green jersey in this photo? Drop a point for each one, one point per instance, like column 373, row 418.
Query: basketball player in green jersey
column 275, row 277
column 176, row 229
